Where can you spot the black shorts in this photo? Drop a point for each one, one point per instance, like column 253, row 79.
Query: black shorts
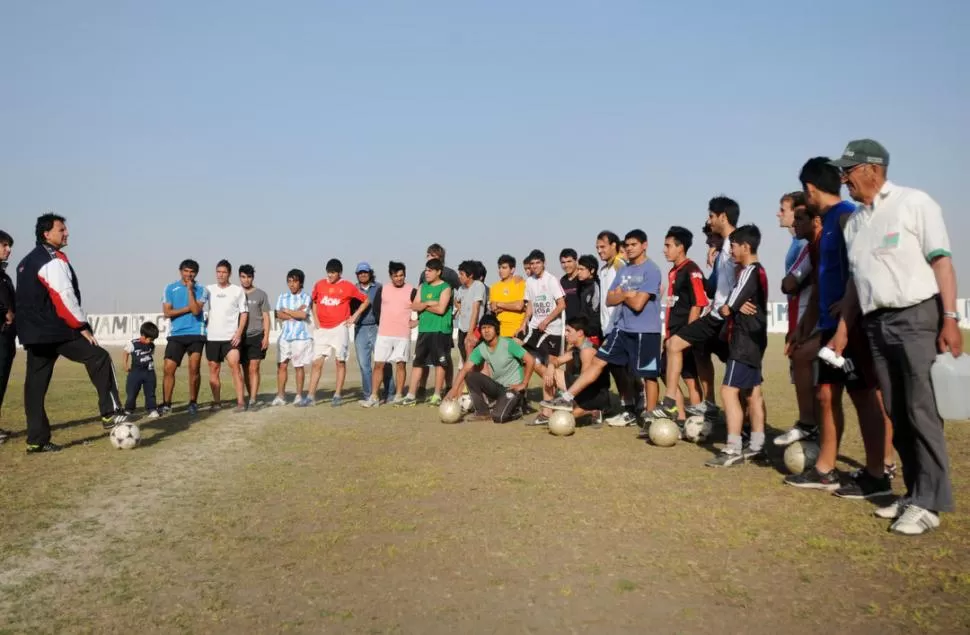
column 217, row 351
column 688, row 369
column 638, row 352
column 542, row 345
column 432, row 349
column 591, row 399
column 740, row 375
column 704, row 336
column 252, row 348
column 178, row 345
column 856, row 374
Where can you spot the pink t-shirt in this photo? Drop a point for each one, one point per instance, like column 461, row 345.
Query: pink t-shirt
column 395, row 311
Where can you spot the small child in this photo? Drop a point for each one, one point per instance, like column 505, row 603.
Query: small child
column 139, row 363
column 747, row 341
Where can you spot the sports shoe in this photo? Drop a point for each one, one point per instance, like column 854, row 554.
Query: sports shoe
column 305, row 402
column 4, row 435
column 726, row 458
column 541, row 420
column 753, row 455
column 239, row 408
column 279, row 401
column 193, row 409
column 396, row 401
column 864, row 485
column 434, row 400
column 407, row 401
column 110, row 421
column 166, row 408
column 559, row 403
column 622, row 420
column 701, row 409
column 215, row 406
column 153, row 414
column 127, row 412
column 297, row 400
column 47, row 447
column 888, row 469
column 813, row 479
column 337, row 401
column 798, row 432
column 666, row 409
column 255, row 405
column 368, row 403
column 894, row 510
column 596, row 419
column 915, row 521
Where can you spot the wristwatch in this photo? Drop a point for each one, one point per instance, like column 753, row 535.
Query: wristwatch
column 953, row 315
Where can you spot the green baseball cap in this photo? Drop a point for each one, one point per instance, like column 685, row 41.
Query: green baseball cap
column 862, row 151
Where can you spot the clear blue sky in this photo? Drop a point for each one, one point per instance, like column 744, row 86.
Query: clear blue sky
column 284, row 134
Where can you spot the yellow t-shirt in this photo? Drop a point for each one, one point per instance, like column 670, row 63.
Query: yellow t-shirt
column 508, row 291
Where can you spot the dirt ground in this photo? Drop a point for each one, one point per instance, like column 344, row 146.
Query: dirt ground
column 346, row 520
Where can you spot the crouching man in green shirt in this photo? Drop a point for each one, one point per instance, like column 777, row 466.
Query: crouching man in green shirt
column 511, row 369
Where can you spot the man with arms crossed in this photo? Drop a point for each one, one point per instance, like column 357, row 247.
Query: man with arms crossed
column 183, row 302
column 507, row 298
column 295, row 344
column 253, row 349
column 227, row 314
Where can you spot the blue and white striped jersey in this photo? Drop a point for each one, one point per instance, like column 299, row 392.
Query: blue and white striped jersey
column 295, row 329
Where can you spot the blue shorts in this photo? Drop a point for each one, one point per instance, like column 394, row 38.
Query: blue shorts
column 740, row 375
column 639, row 352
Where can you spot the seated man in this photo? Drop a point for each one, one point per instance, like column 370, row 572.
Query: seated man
column 499, row 397
column 563, row 370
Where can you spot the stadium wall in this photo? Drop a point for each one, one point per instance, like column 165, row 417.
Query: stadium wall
column 114, row 329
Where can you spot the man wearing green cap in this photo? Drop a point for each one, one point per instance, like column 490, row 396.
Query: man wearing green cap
column 905, row 289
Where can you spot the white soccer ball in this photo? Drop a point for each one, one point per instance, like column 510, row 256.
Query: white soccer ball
column 697, row 429
column 449, row 411
column 562, row 423
column 663, row 432
column 800, row 456
column 466, row 403
column 125, row 436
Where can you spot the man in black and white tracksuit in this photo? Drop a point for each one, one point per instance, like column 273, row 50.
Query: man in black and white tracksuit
column 51, row 324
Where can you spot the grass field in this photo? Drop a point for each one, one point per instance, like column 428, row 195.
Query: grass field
column 329, row 520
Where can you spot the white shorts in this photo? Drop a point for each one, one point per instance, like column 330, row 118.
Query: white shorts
column 392, row 349
column 333, row 342
column 300, row 352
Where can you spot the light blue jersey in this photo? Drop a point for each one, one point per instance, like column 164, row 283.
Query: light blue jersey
column 178, row 296
column 295, row 329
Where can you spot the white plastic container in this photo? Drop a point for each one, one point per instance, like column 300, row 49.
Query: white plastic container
column 951, row 385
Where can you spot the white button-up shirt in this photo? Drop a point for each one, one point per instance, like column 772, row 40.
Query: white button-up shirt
column 891, row 244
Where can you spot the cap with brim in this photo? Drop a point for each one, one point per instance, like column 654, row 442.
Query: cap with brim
column 363, row 266
column 862, row 151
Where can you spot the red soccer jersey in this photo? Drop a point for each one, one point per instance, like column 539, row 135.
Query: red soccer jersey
column 332, row 301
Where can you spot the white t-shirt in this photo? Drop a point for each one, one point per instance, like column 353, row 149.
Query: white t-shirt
column 726, row 277
column 542, row 293
column 222, row 309
column 607, row 274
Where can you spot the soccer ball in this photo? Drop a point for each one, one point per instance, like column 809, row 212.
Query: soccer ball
column 125, row 436
column 697, row 429
column 663, row 432
column 800, row 456
column 466, row 403
column 449, row 411
column 562, row 423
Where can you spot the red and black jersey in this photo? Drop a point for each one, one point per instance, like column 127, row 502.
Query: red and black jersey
column 748, row 334
column 48, row 298
column 685, row 290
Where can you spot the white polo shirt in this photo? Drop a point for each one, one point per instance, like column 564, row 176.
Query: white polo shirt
column 890, row 247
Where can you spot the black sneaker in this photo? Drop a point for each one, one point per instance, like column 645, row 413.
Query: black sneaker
column 110, row 421
column 813, row 479
column 47, row 447
column 754, row 455
column 865, row 486
column 541, row 420
column 4, row 435
column 667, row 409
column 726, row 458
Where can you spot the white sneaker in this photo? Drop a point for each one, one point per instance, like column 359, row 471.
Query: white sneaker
column 296, row 401
column 797, row 433
column 153, row 414
column 621, row 420
column 915, row 521
column 279, row 401
column 892, row 511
